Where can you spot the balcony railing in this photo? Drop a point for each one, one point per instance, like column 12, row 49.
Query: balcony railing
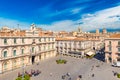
column 118, row 45
column 10, row 57
column 108, row 51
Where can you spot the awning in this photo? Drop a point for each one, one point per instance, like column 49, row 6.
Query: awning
column 90, row 53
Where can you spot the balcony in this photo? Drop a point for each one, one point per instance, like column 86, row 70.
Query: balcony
column 109, row 45
column 117, row 52
column 39, row 52
column 2, row 46
column 108, row 51
column 12, row 57
column 46, row 42
column 118, row 46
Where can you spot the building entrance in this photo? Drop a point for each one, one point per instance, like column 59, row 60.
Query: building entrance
column 33, row 59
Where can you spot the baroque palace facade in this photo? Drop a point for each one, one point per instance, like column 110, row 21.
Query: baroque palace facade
column 24, row 47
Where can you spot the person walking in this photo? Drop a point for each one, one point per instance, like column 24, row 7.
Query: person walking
column 50, row 74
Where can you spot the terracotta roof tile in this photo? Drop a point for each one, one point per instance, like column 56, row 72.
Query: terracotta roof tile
column 115, row 36
column 73, row 39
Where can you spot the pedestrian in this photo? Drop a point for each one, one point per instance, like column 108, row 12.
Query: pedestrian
column 50, row 74
column 68, row 74
column 93, row 75
column 80, row 76
column 115, row 73
column 63, row 77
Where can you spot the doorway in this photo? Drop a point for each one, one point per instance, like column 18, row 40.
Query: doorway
column 33, row 59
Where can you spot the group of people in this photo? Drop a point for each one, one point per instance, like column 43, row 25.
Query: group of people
column 79, row 77
column 32, row 73
column 66, row 75
column 35, row 72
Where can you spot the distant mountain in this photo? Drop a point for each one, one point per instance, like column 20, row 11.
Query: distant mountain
column 108, row 30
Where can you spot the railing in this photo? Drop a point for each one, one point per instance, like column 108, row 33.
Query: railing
column 22, row 44
column 9, row 57
column 108, row 51
column 14, row 45
column 118, row 45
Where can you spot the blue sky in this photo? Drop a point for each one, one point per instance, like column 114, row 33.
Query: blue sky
column 60, row 14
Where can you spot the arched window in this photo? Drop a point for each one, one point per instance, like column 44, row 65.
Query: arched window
column 5, row 54
column 14, row 52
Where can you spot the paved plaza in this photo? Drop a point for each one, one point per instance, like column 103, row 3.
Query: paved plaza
column 75, row 66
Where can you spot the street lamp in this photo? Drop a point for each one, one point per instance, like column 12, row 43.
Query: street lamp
column 23, row 68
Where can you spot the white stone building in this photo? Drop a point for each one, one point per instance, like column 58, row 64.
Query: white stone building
column 73, row 45
column 19, row 48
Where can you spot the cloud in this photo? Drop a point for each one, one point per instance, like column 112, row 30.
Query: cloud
column 76, row 10
column 108, row 18
column 13, row 23
column 65, row 25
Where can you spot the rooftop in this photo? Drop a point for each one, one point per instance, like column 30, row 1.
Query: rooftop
column 115, row 36
column 69, row 38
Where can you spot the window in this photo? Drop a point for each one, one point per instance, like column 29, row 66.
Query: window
column 33, row 40
column 44, row 48
column 45, row 39
column 52, row 46
column 40, row 40
column 15, row 41
column 22, row 40
column 5, row 41
column 65, row 44
column 5, row 66
column 14, row 63
column 48, row 47
column 109, row 48
column 32, row 49
column 5, row 54
column 118, row 59
column 49, row 39
column 52, row 39
column 109, row 42
column 14, row 52
column 110, row 59
column 22, row 61
column 118, row 49
column 118, row 42
column 22, row 51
